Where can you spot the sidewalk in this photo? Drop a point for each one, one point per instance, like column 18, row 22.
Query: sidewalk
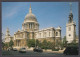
column 50, row 51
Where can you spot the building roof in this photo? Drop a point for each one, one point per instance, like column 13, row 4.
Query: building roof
column 30, row 17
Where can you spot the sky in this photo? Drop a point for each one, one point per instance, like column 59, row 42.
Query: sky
column 48, row 14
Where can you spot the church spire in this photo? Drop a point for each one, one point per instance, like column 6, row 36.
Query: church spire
column 70, row 15
column 70, row 7
column 30, row 10
column 7, row 32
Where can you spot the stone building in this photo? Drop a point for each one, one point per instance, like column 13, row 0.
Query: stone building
column 70, row 28
column 30, row 30
column 50, row 34
column 8, row 37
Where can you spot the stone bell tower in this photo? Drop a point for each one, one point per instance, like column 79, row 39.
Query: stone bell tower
column 70, row 27
column 7, row 35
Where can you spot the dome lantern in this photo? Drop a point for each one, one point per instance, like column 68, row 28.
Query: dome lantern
column 30, row 16
column 30, row 10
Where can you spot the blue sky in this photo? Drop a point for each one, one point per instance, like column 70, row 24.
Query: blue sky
column 48, row 14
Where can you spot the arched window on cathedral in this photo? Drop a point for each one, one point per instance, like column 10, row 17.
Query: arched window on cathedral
column 56, row 33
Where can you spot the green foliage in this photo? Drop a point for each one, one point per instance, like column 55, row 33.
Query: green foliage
column 71, row 50
column 50, row 45
column 37, row 43
column 47, row 45
column 55, row 49
column 64, row 42
column 31, row 42
column 61, row 45
column 44, row 45
column 3, row 44
column 73, row 44
column 11, row 43
column 74, row 41
column 6, row 45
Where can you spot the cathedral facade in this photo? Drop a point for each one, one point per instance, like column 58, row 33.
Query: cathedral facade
column 30, row 30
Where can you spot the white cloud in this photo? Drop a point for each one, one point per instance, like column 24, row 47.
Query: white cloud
column 12, row 12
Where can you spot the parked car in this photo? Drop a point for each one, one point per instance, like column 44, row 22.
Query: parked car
column 22, row 50
column 14, row 49
column 8, row 49
column 37, row 49
column 71, row 50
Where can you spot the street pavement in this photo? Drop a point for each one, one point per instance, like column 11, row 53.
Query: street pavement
column 29, row 53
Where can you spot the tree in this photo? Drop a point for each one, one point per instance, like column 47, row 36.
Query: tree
column 11, row 43
column 44, row 44
column 50, row 45
column 74, row 41
column 6, row 45
column 3, row 45
column 37, row 43
column 64, row 41
column 47, row 45
column 31, row 42
column 61, row 45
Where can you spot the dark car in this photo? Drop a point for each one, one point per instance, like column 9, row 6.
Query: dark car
column 37, row 49
column 71, row 50
column 22, row 50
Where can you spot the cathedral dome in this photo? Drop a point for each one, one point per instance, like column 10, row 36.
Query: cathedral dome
column 30, row 17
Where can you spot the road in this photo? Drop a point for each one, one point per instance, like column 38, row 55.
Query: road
column 29, row 53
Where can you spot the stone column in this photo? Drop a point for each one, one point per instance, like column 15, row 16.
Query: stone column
column 20, row 43
column 16, row 43
column 24, row 35
column 32, row 25
column 35, row 26
column 29, row 25
column 31, row 35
